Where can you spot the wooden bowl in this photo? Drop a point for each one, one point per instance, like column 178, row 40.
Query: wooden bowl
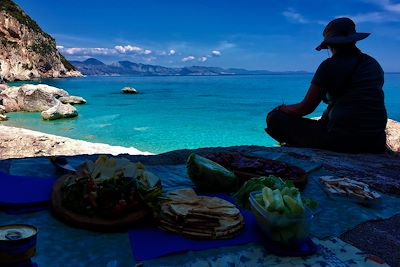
column 95, row 223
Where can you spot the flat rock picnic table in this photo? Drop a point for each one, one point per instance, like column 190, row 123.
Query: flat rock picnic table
column 346, row 233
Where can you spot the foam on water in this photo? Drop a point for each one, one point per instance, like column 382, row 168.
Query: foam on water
column 141, row 129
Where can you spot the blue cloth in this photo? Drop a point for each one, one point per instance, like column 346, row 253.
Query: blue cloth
column 150, row 242
column 23, row 191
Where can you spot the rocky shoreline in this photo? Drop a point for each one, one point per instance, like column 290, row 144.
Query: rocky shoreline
column 23, row 143
column 52, row 102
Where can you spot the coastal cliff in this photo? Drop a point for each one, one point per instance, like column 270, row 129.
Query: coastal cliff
column 26, row 51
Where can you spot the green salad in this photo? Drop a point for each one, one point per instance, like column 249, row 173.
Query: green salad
column 110, row 187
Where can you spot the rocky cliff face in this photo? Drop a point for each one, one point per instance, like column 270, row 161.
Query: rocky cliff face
column 26, row 52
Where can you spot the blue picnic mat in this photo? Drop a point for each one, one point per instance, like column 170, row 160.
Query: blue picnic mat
column 150, row 242
column 333, row 217
column 20, row 191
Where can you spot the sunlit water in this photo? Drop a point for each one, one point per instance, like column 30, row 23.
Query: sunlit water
column 180, row 112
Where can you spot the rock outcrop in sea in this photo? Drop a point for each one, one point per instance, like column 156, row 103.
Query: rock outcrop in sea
column 73, row 100
column 52, row 102
column 59, row 111
column 129, row 90
column 26, row 51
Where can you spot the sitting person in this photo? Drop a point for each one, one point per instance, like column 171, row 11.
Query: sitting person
column 350, row 82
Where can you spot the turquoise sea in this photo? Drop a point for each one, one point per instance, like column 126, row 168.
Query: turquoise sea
column 180, row 112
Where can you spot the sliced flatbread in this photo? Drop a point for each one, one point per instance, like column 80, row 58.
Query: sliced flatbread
column 200, row 216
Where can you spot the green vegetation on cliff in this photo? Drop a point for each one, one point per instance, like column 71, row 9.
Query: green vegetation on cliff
column 9, row 7
column 8, row 43
column 43, row 44
column 66, row 63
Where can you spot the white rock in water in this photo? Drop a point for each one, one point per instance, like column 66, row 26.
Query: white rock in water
column 59, row 111
column 56, row 92
column 9, row 99
column 35, row 99
column 129, row 90
column 73, row 100
column 3, row 117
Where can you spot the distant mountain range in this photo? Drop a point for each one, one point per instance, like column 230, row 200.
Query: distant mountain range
column 94, row 67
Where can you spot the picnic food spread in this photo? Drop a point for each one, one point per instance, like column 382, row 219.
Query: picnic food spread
column 281, row 213
column 246, row 167
column 347, row 188
column 209, row 176
column 200, row 217
column 256, row 184
column 106, row 192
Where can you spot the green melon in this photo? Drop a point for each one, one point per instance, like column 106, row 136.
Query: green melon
column 209, row 176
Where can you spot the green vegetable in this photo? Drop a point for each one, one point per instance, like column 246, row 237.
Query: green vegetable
column 294, row 207
column 110, row 187
column 209, row 176
column 286, row 220
column 256, row 184
column 277, row 201
column 267, row 196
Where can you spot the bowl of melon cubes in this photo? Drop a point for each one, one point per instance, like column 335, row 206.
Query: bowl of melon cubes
column 282, row 214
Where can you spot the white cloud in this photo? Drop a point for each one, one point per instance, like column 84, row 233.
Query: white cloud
column 374, row 17
column 189, row 58
column 293, row 16
column 387, row 5
column 216, row 53
column 390, row 12
column 202, row 59
column 150, row 59
column 171, row 52
column 86, row 51
column 131, row 49
column 367, row 17
column 226, row 45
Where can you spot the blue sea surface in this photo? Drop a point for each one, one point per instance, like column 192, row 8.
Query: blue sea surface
column 180, row 112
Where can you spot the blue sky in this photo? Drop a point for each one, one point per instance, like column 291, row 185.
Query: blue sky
column 273, row 35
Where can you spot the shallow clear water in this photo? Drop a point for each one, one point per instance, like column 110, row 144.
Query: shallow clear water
column 180, row 112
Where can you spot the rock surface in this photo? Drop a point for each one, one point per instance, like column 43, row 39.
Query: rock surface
column 73, row 100
column 3, row 116
column 22, row 143
column 393, row 135
column 26, row 52
column 32, row 99
column 59, row 111
column 39, row 98
column 129, row 90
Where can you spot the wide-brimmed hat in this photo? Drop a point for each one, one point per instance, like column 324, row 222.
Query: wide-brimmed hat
column 341, row 31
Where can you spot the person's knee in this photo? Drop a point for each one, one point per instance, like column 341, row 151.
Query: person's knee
column 274, row 118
